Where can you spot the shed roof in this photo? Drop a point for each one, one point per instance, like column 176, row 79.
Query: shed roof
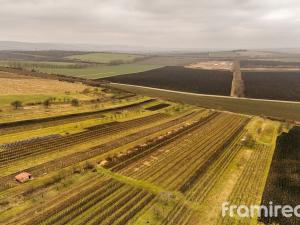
column 23, row 176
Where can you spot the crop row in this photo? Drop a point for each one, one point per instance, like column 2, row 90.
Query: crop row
column 11, row 127
column 167, row 152
column 151, row 146
column 63, row 142
column 174, row 170
column 211, row 159
column 112, row 203
column 65, row 161
column 204, row 184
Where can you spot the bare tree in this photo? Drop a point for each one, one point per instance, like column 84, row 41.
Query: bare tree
column 16, row 104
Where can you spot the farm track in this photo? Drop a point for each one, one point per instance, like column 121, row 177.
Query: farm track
column 63, row 142
column 65, row 161
column 24, row 125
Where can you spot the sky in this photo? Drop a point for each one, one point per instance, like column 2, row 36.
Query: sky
column 190, row 24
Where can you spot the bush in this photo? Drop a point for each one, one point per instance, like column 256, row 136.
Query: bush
column 17, row 104
column 75, row 102
column 77, row 169
column 47, row 103
column 89, row 166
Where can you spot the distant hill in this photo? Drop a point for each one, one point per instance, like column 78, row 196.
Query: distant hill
column 28, row 46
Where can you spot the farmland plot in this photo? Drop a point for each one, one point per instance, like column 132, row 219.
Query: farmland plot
column 181, row 79
column 282, row 186
column 272, row 85
column 159, row 156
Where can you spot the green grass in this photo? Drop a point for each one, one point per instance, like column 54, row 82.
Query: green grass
column 99, row 71
column 105, row 57
column 289, row 111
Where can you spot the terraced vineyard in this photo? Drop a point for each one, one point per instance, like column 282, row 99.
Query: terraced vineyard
column 145, row 162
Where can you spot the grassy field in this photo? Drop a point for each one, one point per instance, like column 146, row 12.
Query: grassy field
column 32, row 90
column 99, row 71
column 11, row 84
column 290, row 111
column 106, row 57
column 85, row 71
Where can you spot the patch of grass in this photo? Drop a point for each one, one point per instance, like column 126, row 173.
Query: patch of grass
column 263, row 131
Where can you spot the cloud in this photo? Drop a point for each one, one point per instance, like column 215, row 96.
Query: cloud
column 156, row 23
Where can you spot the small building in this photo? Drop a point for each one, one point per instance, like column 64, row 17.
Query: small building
column 23, row 177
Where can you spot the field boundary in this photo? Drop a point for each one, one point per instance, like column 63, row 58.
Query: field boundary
column 273, row 109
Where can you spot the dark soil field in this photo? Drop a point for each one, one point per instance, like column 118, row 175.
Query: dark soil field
column 181, row 79
column 267, row 63
column 283, row 184
column 272, row 85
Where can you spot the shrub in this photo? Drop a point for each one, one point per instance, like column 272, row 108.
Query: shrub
column 89, row 165
column 75, row 102
column 47, row 103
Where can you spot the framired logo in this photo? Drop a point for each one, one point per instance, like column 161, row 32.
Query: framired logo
column 245, row 211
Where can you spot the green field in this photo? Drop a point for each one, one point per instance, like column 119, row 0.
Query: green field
column 79, row 70
column 99, row 71
column 105, row 57
column 290, row 111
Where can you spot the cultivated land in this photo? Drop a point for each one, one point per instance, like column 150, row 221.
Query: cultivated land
column 116, row 157
column 99, row 71
column 282, row 186
column 128, row 159
column 91, row 71
column 272, row 85
column 177, row 78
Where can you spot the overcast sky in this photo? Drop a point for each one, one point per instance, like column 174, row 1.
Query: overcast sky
column 154, row 23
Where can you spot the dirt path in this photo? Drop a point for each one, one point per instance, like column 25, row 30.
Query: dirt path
column 238, row 86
